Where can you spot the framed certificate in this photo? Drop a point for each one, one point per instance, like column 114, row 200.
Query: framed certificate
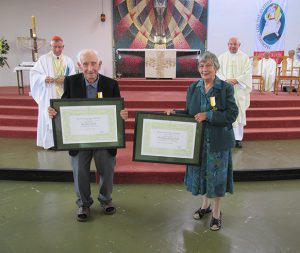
column 88, row 123
column 167, row 139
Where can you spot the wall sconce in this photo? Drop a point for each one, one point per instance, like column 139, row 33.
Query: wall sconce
column 102, row 16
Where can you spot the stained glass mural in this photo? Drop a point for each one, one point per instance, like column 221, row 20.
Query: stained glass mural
column 158, row 24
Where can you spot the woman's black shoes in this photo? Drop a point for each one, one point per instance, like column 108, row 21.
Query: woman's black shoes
column 215, row 224
column 198, row 215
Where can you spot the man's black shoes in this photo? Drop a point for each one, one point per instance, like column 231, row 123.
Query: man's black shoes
column 238, row 144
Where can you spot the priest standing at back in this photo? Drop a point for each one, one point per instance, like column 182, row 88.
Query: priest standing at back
column 46, row 82
column 267, row 68
column 235, row 68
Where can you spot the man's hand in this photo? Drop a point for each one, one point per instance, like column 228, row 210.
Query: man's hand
column 51, row 112
column 170, row 111
column 124, row 114
column 59, row 80
column 49, row 79
column 201, row 116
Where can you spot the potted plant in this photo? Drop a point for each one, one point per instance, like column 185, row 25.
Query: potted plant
column 4, row 48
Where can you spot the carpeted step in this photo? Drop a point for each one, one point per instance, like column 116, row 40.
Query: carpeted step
column 258, row 122
column 129, row 134
column 13, row 91
column 154, row 104
column 267, row 111
column 273, row 112
column 145, row 172
column 18, row 132
column 132, row 111
column 30, row 132
column 18, row 110
column 17, row 101
column 18, row 120
column 129, row 124
column 273, row 122
column 272, row 133
column 292, row 102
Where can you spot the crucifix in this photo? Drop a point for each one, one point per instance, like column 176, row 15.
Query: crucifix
column 32, row 42
column 160, row 7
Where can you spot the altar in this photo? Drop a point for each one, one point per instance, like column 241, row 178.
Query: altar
column 24, row 66
column 155, row 63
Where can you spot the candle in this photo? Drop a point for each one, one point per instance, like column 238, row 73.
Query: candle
column 33, row 26
column 212, row 101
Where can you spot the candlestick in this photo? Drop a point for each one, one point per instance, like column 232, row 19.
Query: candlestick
column 33, row 26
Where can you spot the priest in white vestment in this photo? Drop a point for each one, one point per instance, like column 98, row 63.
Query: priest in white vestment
column 235, row 68
column 46, row 82
column 292, row 68
column 267, row 68
column 292, row 63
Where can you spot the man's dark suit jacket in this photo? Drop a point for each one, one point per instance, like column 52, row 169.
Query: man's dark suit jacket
column 75, row 87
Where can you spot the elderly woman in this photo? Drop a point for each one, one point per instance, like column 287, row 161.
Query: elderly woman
column 211, row 101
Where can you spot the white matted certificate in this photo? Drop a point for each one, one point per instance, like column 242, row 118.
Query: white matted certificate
column 167, row 139
column 88, row 123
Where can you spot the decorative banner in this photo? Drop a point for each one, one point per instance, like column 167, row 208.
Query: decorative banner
column 270, row 27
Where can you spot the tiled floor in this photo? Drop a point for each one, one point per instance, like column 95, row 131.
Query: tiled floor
column 260, row 217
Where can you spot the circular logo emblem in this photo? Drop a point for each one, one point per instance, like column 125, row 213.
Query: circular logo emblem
column 272, row 23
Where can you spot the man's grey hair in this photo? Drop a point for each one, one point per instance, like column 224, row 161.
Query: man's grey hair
column 87, row 51
column 208, row 56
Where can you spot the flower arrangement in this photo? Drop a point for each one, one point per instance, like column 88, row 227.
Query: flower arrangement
column 4, row 48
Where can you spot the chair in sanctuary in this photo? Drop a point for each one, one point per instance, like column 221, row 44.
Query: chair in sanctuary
column 257, row 73
column 286, row 73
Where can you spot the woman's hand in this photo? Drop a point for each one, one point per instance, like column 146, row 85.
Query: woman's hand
column 201, row 116
column 51, row 112
column 170, row 111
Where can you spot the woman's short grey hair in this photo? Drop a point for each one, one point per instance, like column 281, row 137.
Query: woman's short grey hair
column 85, row 51
column 209, row 57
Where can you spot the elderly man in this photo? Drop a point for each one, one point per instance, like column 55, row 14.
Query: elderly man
column 235, row 68
column 267, row 68
column 46, row 82
column 86, row 85
column 292, row 69
column 292, row 62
